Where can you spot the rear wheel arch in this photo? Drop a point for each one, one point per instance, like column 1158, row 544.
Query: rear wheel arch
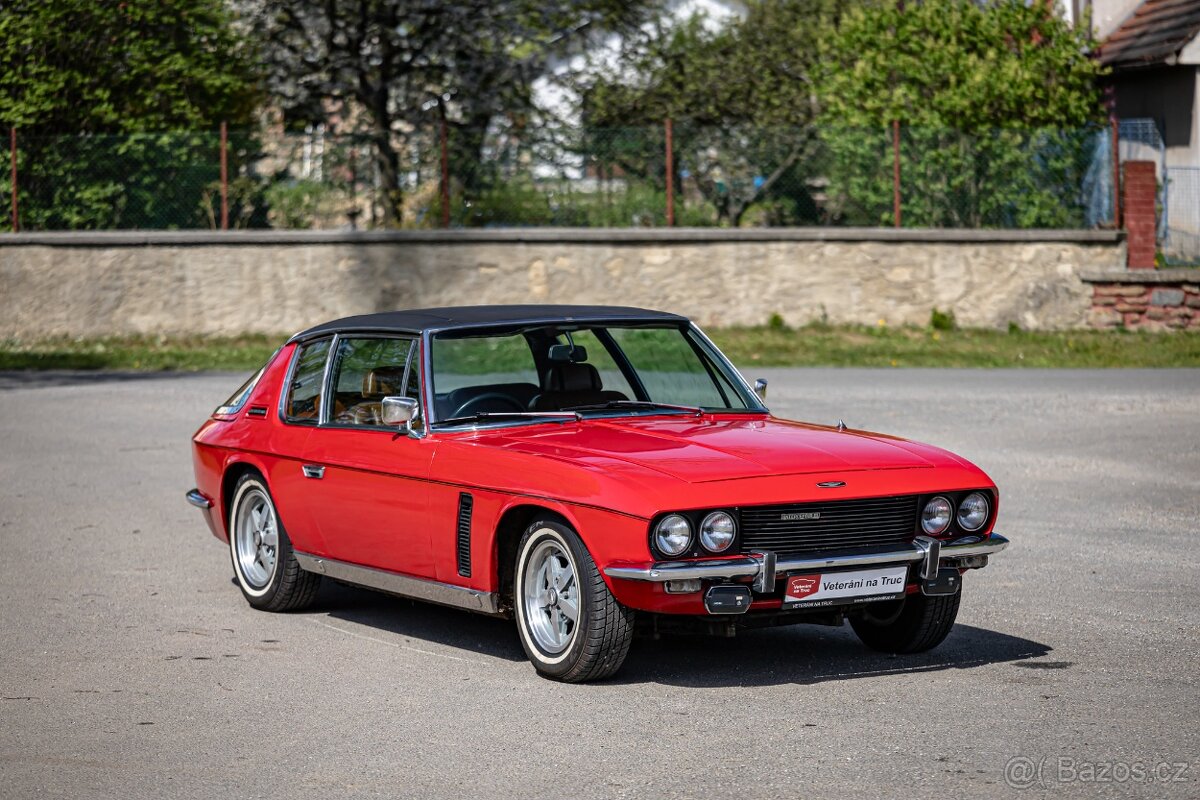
column 233, row 473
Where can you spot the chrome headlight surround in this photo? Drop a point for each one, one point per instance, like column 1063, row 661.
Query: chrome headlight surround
column 973, row 511
column 718, row 531
column 937, row 515
column 673, row 535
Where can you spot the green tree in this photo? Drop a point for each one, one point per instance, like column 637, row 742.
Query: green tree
column 394, row 68
column 92, row 85
column 743, row 95
column 995, row 100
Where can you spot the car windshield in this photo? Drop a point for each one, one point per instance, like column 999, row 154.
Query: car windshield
column 535, row 374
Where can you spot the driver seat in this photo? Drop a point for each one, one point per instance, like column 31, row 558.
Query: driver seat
column 571, row 384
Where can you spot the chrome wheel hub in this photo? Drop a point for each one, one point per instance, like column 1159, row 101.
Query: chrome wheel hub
column 550, row 597
column 256, row 538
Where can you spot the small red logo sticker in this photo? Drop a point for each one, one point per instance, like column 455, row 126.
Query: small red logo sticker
column 800, row 586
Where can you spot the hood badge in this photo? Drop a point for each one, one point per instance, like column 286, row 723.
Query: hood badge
column 831, row 484
column 800, row 515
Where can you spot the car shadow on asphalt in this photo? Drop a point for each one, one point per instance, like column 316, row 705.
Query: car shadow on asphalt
column 809, row 654
column 796, row 654
column 490, row 636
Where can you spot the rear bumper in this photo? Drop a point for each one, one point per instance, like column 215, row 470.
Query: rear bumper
column 197, row 498
column 763, row 568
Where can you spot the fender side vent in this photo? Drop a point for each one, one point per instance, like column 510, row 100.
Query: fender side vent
column 465, row 504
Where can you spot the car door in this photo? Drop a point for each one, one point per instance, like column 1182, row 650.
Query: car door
column 367, row 482
column 285, row 440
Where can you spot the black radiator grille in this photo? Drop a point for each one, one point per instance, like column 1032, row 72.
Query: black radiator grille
column 836, row 525
column 463, row 549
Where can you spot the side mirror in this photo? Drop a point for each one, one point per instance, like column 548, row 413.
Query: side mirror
column 399, row 411
column 760, row 389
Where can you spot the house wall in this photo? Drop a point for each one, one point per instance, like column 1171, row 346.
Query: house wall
column 1171, row 97
column 86, row 285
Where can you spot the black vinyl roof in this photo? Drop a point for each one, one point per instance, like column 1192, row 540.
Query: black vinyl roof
column 450, row 318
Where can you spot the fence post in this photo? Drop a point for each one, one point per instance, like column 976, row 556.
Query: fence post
column 1141, row 223
column 670, row 173
column 224, row 177
column 1116, row 170
column 12, row 146
column 896, row 172
column 445, row 188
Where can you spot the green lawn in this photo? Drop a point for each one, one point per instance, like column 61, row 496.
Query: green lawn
column 814, row 345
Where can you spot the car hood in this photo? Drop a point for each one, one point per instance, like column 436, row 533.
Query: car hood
column 714, row 448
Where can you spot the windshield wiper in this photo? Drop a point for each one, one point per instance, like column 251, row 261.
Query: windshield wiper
column 484, row 416
column 634, row 405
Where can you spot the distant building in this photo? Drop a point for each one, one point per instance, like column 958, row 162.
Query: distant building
column 1154, row 53
column 1153, row 50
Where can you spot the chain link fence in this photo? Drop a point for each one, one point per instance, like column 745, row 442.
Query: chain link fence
column 1180, row 216
column 516, row 175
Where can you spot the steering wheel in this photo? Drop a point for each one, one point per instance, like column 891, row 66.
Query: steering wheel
column 479, row 405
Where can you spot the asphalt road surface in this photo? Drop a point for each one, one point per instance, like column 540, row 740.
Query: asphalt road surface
column 131, row 667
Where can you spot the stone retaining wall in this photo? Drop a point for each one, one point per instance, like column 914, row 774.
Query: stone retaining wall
column 230, row 283
column 1166, row 299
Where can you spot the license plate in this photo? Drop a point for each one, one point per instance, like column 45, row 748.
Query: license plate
column 834, row 588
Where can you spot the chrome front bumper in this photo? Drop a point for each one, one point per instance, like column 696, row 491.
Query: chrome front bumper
column 765, row 566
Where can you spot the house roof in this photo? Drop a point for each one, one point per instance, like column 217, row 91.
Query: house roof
column 1156, row 31
column 420, row 320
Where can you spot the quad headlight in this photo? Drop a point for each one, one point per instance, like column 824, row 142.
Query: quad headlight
column 717, row 531
column 673, row 535
column 972, row 512
column 936, row 516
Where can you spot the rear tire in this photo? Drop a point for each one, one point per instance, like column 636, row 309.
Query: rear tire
column 264, row 564
column 570, row 625
column 919, row 624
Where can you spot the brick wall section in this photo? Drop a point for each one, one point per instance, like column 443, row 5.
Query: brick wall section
column 1150, row 306
column 1141, row 190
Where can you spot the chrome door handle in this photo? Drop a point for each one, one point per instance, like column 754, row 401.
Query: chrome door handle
column 313, row 471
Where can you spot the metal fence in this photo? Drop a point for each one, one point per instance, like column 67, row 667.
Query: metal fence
column 1180, row 215
column 672, row 174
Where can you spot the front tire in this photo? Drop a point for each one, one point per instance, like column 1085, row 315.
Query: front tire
column 570, row 625
column 264, row 564
column 919, row 623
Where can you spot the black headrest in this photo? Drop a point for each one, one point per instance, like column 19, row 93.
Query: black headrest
column 572, row 378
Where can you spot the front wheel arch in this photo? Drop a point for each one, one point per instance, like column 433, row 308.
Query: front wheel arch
column 509, row 530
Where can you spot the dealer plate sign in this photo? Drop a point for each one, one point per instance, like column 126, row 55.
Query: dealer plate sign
column 835, row 588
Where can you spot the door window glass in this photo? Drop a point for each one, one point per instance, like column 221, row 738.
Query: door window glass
column 303, row 402
column 364, row 372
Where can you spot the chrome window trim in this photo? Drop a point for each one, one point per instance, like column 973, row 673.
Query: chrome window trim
column 327, row 387
column 754, row 403
column 426, row 378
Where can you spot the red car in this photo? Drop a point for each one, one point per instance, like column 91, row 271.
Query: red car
column 578, row 467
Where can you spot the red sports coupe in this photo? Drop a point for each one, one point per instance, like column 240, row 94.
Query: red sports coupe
column 577, row 467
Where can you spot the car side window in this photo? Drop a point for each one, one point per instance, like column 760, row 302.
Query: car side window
column 364, row 372
column 303, row 402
